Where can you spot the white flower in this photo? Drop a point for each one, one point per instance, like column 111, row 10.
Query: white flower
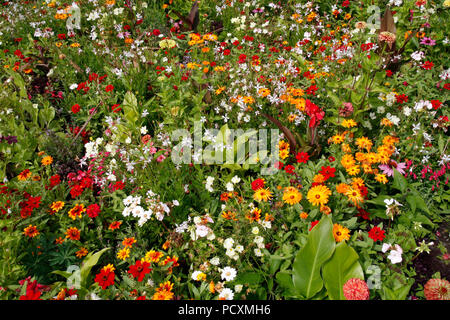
column 202, row 230
column 215, row 261
column 228, row 274
column 385, row 247
column 258, row 240
column 144, row 130
column 229, row 186
column 228, row 243
column 396, row 255
column 235, row 179
column 230, row 252
column 238, row 288
column 137, row 211
column 255, row 230
column 407, row 111
column 258, row 252
column 226, row 294
column 239, row 248
column 175, row 203
column 196, row 275
column 73, row 86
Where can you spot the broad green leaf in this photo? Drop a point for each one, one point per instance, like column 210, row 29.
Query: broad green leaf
column 250, row 278
column 342, row 266
column 400, row 182
column 308, row 262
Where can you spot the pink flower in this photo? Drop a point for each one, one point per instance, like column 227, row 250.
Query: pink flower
column 160, row 158
column 388, row 169
column 356, row 289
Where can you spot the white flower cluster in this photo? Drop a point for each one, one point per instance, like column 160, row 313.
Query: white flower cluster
column 232, row 249
column 154, row 207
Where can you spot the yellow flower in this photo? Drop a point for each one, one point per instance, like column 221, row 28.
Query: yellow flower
column 57, row 206
column 303, row 215
column 292, row 196
column 262, row 194
column 284, row 153
column 364, row 143
column 263, row 92
column 348, row 161
column 381, row 178
column 354, row 196
column 46, row 160
column 318, row 195
column 123, row 253
column 353, row 170
column 337, row 139
column 340, row 233
column 348, row 123
column 76, row 211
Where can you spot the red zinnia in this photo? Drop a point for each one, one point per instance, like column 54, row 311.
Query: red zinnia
column 302, row 157
column 93, row 210
column 258, row 184
column 105, row 278
column 140, row 269
column 76, row 108
column 401, row 98
column 356, row 289
column 289, row 169
column 327, row 172
column 109, row 88
column 436, row 104
column 376, row 234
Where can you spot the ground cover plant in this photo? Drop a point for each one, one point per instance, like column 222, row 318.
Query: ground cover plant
column 220, row 150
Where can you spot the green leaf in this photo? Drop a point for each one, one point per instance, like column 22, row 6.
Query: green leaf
column 400, row 182
column 250, row 278
column 342, row 266
column 308, row 262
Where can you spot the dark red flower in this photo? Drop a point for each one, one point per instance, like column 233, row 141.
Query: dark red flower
column 401, row 98
column 289, row 169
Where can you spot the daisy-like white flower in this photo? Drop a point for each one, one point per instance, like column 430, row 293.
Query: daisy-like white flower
column 228, row 274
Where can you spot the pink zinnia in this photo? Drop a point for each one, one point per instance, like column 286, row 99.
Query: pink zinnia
column 388, row 169
column 437, row 289
column 356, row 289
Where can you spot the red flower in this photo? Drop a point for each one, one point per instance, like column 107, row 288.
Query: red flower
column 115, row 108
column 313, row 224
column 93, row 210
column 279, row 165
column 436, row 104
column 327, row 172
column 76, row 108
column 105, row 278
column 356, row 289
column 331, row 159
column 314, row 112
column 109, row 88
column 258, row 184
column 226, row 52
column 401, row 98
column 376, row 234
column 345, row 3
column 140, row 269
column 363, row 214
column 302, row 157
column 427, row 65
column 289, row 169
column 388, row 73
column 242, row 58
column 156, row 32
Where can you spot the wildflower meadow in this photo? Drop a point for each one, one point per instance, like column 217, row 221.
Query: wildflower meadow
column 224, row 150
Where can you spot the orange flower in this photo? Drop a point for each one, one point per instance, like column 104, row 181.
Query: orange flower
column 46, row 160
column 115, row 225
column 174, row 261
column 254, row 215
column 31, row 231
column 73, row 233
column 153, row 256
column 76, row 211
column 81, row 253
column 128, row 242
column 24, row 175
